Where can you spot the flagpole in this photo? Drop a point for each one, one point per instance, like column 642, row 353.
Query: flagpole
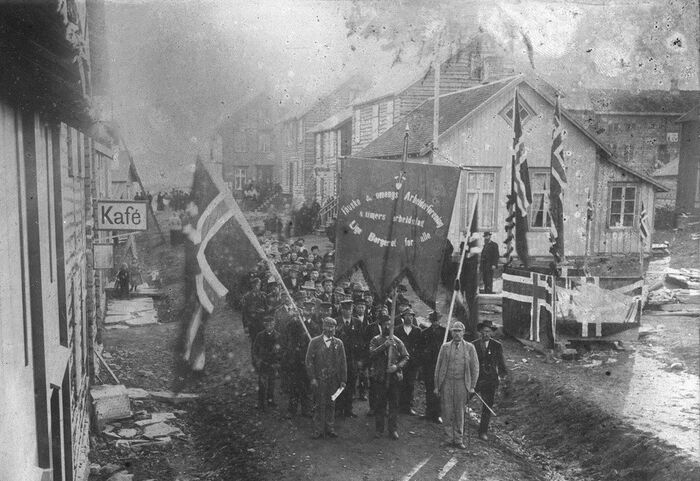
column 277, row 275
column 454, row 289
column 391, row 334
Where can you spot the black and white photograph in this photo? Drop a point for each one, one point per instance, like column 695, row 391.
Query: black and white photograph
column 350, row 240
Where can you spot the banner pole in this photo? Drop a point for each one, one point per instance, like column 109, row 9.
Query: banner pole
column 391, row 333
column 454, row 290
column 299, row 315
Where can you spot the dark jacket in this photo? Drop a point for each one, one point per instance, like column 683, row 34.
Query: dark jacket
column 431, row 342
column 490, row 254
column 492, row 364
column 266, row 352
column 379, row 353
column 352, row 337
column 412, row 342
column 326, row 364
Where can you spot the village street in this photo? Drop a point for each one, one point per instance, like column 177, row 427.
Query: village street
column 587, row 419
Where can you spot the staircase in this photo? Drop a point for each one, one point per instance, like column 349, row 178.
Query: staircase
column 327, row 214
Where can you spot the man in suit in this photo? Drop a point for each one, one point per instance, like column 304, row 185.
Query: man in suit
column 363, row 363
column 266, row 359
column 456, row 372
column 388, row 356
column 489, row 262
column 411, row 337
column 431, row 341
column 327, row 371
column 492, row 368
column 350, row 332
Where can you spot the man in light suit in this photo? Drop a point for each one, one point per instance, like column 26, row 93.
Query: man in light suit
column 327, row 371
column 456, row 373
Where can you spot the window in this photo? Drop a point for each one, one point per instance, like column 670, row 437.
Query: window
column 319, row 149
column 623, row 199
column 526, row 112
column 356, row 126
column 481, row 185
column 539, row 209
column 339, row 141
column 300, row 131
column 264, row 142
column 240, row 175
column 375, row 121
column 239, row 143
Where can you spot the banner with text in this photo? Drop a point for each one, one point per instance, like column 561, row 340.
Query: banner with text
column 393, row 220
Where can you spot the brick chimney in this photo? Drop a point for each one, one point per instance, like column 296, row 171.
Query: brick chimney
column 674, row 87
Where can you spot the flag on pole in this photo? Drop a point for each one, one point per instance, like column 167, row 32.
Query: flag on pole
column 557, row 187
column 643, row 225
column 220, row 249
column 520, row 197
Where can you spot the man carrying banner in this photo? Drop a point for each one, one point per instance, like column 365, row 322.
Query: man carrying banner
column 327, row 371
column 492, row 368
column 456, row 372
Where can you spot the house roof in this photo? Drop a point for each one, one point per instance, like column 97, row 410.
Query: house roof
column 303, row 105
column 668, row 170
column 333, row 121
column 455, row 107
column 643, row 101
column 393, row 81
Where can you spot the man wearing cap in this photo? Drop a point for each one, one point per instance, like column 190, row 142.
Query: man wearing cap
column 266, row 359
column 325, row 309
column 295, row 345
column 456, row 372
column 360, row 312
column 411, row 337
column 431, row 341
column 388, row 356
column 489, row 262
column 492, row 368
column 350, row 332
column 310, row 319
column 253, row 307
column 327, row 370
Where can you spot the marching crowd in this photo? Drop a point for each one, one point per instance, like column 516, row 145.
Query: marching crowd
column 334, row 346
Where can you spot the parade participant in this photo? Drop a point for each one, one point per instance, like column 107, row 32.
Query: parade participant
column 325, row 309
column 313, row 274
column 327, row 294
column 284, row 314
column 273, row 301
column 253, row 307
column 314, row 255
column 489, row 262
column 360, row 312
column 122, row 283
column 309, row 318
column 292, row 282
column 349, row 331
column 327, row 371
column 431, row 340
column 266, row 360
column 295, row 343
column 492, row 368
column 309, row 290
column 411, row 337
column 388, row 356
column 456, row 372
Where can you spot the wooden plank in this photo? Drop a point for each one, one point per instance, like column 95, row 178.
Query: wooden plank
column 104, row 363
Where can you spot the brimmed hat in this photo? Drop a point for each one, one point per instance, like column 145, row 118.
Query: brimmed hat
column 484, row 324
column 327, row 279
column 346, row 303
column 329, row 322
column 309, row 286
column 434, row 316
column 326, row 305
column 359, row 300
column 309, row 303
column 339, row 290
column 487, row 233
column 383, row 318
column 457, row 326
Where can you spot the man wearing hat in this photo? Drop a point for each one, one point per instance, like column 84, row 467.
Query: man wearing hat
column 253, row 307
column 309, row 317
column 326, row 368
column 325, row 309
column 360, row 312
column 456, row 372
column 295, row 344
column 431, row 338
column 411, row 337
column 492, row 368
column 388, row 356
column 489, row 262
column 292, row 281
column 327, row 294
column 350, row 332
column 266, row 360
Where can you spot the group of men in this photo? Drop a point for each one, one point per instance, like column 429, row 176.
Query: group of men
column 334, row 346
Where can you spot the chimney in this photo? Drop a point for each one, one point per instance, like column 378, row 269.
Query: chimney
column 674, row 87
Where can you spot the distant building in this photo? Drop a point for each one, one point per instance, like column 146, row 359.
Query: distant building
column 688, row 192
column 332, row 141
column 51, row 296
column 639, row 126
column 476, row 134
column 405, row 87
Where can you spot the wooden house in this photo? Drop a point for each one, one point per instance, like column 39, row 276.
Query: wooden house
column 296, row 143
column 688, row 192
column 476, row 133
column 332, row 142
column 50, row 295
column 404, row 87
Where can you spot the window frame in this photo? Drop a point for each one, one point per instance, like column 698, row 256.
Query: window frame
column 534, row 173
column 523, row 106
column 624, row 186
column 467, row 207
column 240, row 177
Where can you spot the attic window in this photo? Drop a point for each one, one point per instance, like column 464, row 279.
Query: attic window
column 526, row 112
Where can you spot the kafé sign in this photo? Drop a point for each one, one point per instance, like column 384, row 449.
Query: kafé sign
column 393, row 220
column 128, row 215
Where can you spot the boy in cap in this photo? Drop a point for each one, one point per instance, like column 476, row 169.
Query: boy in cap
column 456, row 372
column 492, row 368
column 266, row 359
column 327, row 371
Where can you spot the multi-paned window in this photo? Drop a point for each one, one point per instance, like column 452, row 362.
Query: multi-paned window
column 623, row 205
column 481, row 184
column 539, row 209
column 240, row 175
column 526, row 112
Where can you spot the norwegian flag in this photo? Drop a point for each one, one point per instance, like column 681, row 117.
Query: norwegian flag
column 643, row 225
column 520, row 197
column 557, row 186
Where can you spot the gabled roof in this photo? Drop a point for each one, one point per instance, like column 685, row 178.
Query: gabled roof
column 642, row 101
column 394, row 81
column 453, row 107
column 456, row 107
column 304, row 105
column 333, row 121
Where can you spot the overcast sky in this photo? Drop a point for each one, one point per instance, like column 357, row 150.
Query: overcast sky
column 178, row 66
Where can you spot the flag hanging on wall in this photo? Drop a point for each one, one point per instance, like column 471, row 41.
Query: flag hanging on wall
column 520, row 197
column 557, row 186
column 393, row 219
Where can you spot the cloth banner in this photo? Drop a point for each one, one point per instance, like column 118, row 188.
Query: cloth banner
column 393, row 219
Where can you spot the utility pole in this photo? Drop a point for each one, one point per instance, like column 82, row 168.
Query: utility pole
column 436, row 108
